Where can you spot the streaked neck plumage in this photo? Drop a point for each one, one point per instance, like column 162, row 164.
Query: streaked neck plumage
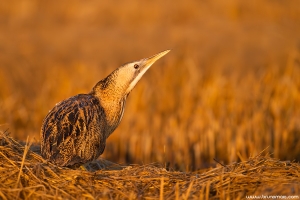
column 111, row 93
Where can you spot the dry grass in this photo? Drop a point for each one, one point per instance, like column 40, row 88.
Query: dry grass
column 229, row 89
column 26, row 175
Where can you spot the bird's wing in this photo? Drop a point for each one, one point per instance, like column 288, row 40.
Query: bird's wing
column 71, row 128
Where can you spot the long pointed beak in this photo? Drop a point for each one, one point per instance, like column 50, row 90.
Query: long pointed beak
column 149, row 61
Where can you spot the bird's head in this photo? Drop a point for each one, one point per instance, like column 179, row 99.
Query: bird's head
column 121, row 81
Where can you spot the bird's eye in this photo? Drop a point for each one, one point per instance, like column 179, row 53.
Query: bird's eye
column 136, row 66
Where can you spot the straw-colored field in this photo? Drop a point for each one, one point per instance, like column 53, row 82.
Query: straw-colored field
column 26, row 175
column 228, row 89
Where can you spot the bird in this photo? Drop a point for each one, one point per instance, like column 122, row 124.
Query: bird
column 75, row 130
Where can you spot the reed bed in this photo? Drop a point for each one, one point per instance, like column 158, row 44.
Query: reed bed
column 26, row 175
column 228, row 89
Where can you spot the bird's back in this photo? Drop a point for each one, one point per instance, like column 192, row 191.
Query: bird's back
column 72, row 132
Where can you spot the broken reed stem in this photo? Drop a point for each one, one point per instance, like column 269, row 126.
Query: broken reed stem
column 188, row 190
column 2, row 196
column 207, row 190
column 161, row 195
column 26, row 148
column 7, row 159
column 177, row 191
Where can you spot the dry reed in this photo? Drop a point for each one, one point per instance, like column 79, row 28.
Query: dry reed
column 228, row 89
column 26, row 175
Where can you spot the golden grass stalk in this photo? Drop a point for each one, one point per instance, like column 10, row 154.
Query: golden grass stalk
column 257, row 175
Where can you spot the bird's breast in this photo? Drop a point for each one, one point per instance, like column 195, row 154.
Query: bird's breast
column 114, row 112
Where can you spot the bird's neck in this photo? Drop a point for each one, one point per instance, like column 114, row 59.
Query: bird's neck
column 113, row 102
column 114, row 112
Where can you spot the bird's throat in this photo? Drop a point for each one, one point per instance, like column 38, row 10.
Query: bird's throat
column 114, row 111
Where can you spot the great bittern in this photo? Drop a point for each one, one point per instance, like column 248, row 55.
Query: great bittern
column 74, row 132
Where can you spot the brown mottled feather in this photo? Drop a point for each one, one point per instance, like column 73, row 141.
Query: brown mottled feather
column 72, row 131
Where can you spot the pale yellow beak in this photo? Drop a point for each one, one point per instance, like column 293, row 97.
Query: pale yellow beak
column 149, row 61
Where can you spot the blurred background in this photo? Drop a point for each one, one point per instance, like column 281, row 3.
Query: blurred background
column 229, row 88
